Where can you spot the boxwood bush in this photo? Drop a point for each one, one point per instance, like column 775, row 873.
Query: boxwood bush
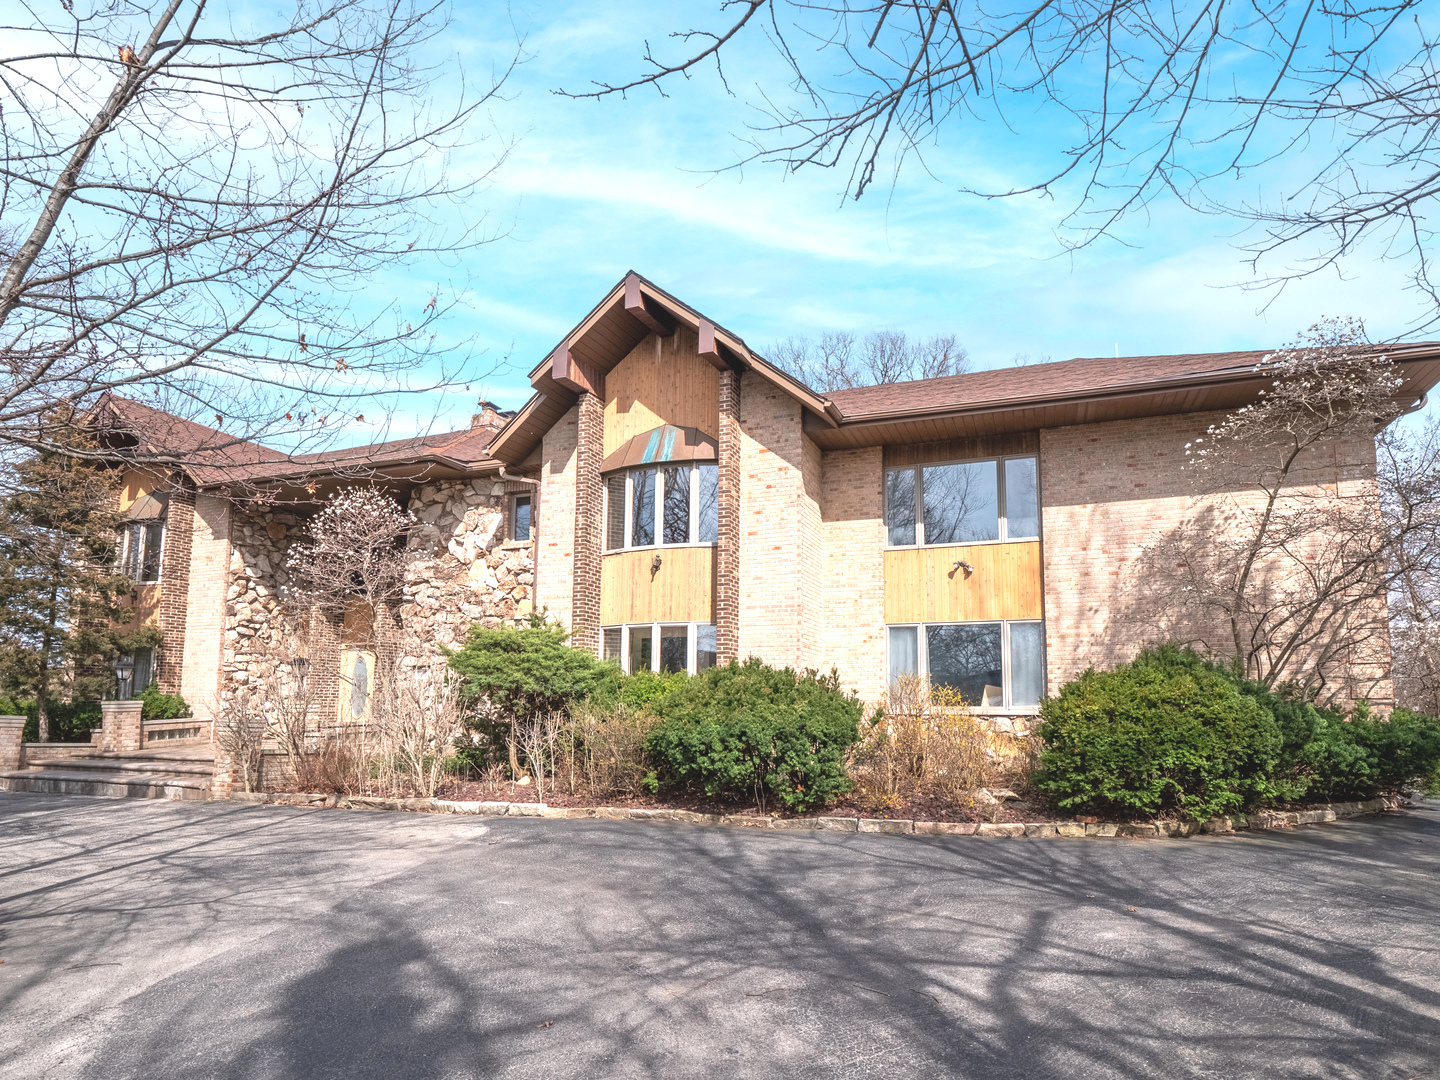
column 752, row 731
column 1173, row 732
column 1166, row 732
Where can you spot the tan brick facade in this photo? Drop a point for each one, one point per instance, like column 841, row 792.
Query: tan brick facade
column 727, row 555
column 1108, row 491
column 588, row 498
column 853, row 532
column 555, row 552
column 205, row 604
column 780, row 604
column 175, row 587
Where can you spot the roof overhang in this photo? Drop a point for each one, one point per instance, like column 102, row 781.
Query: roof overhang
column 1218, row 390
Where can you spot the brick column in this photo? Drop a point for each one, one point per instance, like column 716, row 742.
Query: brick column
column 585, row 595
column 121, row 723
column 175, row 586
column 727, row 554
column 12, row 749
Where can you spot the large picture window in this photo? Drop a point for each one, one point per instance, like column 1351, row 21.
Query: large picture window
column 140, row 547
column 687, row 647
column 967, row 502
column 663, row 505
column 993, row 665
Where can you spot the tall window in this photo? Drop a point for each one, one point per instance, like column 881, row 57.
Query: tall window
column 521, row 526
column 993, row 665
column 139, row 548
column 969, row 502
column 665, row 504
column 688, row 647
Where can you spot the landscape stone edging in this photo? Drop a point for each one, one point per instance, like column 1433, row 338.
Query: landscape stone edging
column 1139, row 830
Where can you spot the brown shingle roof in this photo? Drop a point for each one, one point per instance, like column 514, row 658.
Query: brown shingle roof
column 1059, row 379
column 212, row 457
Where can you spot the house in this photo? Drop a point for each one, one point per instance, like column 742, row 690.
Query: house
column 677, row 501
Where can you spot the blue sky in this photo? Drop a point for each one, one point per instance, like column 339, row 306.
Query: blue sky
column 592, row 189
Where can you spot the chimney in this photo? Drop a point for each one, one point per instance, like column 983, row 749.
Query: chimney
column 489, row 416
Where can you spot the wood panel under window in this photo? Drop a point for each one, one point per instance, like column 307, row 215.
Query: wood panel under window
column 145, row 602
column 922, row 584
column 682, row 590
column 664, row 384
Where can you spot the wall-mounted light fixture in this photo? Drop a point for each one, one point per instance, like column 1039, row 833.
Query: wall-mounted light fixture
column 655, row 566
column 961, row 564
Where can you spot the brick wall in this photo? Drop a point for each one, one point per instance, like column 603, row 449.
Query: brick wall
column 852, row 531
column 779, row 529
column 1108, row 491
column 205, row 603
column 555, row 532
column 175, row 587
column 727, row 552
column 585, row 591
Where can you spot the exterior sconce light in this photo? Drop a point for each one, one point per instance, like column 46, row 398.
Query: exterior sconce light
column 961, row 564
column 654, row 566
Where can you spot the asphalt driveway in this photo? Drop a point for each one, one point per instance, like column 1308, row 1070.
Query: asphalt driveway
column 164, row 940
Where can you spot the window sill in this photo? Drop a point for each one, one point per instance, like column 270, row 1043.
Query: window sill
column 962, row 544
column 661, row 547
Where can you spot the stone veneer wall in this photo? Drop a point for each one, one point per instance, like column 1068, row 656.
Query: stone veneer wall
column 464, row 572
column 555, row 521
column 852, row 531
column 779, row 533
column 1110, row 489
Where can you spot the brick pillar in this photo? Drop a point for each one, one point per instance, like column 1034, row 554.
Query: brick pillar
column 175, row 586
column 12, row 749
column 121, row 723
column 585, row 595
column 727, row 554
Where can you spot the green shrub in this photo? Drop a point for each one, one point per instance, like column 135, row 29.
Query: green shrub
column 518, row 674
column 160, row 706
column 1167, row 732
column 750, row 730
column 70, row 722
column 1407, row 750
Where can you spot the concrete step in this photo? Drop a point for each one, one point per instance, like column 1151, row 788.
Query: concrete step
column 130, row 764
column 125, row 784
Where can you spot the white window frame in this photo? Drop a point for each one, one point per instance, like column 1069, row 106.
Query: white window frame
column 129, row 532
column 922, row 658
column 659, row 529
column 515, row 514
column 692, row 642
column 1003, row 524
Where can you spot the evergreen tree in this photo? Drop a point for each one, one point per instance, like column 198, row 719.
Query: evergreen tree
column 62, row 621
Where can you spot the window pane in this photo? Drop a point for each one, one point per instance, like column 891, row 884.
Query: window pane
column 962, row 505
column 130, row 559
column 1027, row 663
column 966, row 657
column 900, row 505
column 1022, row 498
column 708, row 531
column 904, row 654
column 143, row 658
column 610, row 644
column 677, row 504
column 704, row 646
column 150, row 563
column 359, row 687
column 674, row 648
column 522, row 518
column 642, row 511
column 640, row 648
column 615, row 503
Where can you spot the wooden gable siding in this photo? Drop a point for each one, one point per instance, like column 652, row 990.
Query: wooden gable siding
column 661, row 381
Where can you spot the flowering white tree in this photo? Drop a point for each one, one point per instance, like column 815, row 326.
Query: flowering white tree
column 1288, row 559
column 354, row 552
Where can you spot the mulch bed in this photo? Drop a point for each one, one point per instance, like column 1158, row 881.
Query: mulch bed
column 920, row 808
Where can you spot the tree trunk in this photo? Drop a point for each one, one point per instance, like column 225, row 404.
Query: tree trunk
column 42, row 681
